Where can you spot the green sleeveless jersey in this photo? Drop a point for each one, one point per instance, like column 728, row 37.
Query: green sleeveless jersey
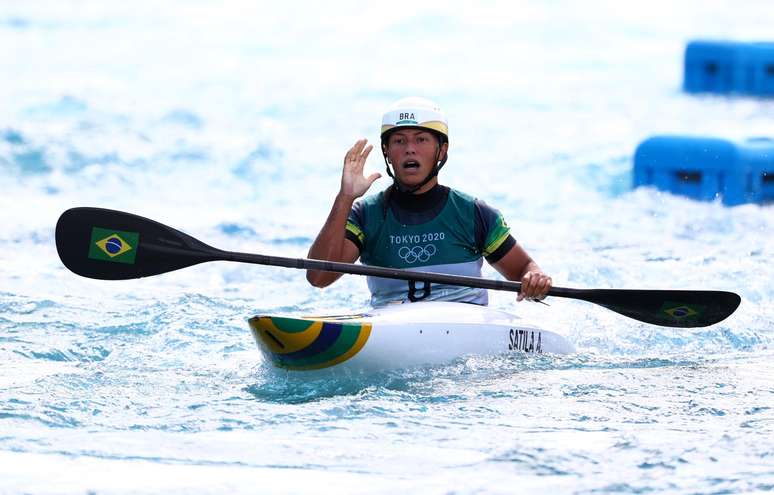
column 442, row 231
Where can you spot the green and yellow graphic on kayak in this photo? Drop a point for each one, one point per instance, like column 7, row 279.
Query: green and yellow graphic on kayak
column 113, row 245
column 306, row 344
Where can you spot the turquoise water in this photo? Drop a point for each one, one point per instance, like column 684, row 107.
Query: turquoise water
column 229, row 121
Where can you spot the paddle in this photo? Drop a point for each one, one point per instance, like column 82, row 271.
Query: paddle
column 114, row 245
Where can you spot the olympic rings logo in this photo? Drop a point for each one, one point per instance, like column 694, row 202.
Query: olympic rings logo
column 417, row 253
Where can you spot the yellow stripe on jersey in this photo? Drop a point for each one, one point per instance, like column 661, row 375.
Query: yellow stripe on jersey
column 356, row 231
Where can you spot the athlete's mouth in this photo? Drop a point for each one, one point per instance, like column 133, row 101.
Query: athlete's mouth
column 411, row 164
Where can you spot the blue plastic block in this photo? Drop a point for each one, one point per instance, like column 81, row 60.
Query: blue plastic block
column 761, row 66
column 705, row 168
column 757, row 155
column 711, row 66
column 729, row 67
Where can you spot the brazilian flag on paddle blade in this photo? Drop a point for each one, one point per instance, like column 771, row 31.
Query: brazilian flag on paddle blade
column 113, row 245
column 677, row 311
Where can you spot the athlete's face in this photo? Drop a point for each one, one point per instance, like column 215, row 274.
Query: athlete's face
column 412, row 154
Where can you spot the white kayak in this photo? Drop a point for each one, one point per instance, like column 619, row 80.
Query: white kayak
column 399, row 336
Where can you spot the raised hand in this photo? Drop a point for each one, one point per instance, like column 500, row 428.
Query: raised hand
column 353, row 183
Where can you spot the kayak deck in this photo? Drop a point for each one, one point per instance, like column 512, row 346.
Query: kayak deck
column 398, row 336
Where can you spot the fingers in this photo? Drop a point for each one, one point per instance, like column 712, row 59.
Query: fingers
column 534, row 286
column 367, row 152
column 353, row 183
column 373, row 177
column 356, row 156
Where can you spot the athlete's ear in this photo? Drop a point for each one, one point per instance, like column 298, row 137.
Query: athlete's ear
column 444, row 150
column 384, row 152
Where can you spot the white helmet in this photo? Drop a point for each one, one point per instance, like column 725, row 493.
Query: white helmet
column 418, row 113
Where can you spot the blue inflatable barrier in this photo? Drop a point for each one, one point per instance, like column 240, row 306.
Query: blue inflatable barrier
column 762, row 68
column 705, row 168
column 729, row 67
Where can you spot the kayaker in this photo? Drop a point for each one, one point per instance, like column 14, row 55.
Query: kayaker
column 416, row 223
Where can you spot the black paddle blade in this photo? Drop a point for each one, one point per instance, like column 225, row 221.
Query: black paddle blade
column 668, row 308
column 114, row 245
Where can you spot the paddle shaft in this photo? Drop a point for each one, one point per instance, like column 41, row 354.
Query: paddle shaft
column 354, row 269
column 375, row 271
column 590, row 295
column 334, row 266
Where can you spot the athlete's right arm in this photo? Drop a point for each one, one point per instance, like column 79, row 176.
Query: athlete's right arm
column 331, row 243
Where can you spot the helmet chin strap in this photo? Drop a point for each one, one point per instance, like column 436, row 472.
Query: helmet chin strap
column 410, row 190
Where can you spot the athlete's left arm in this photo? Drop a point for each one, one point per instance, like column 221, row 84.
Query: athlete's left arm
column 504, row 253
column 517, row 265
